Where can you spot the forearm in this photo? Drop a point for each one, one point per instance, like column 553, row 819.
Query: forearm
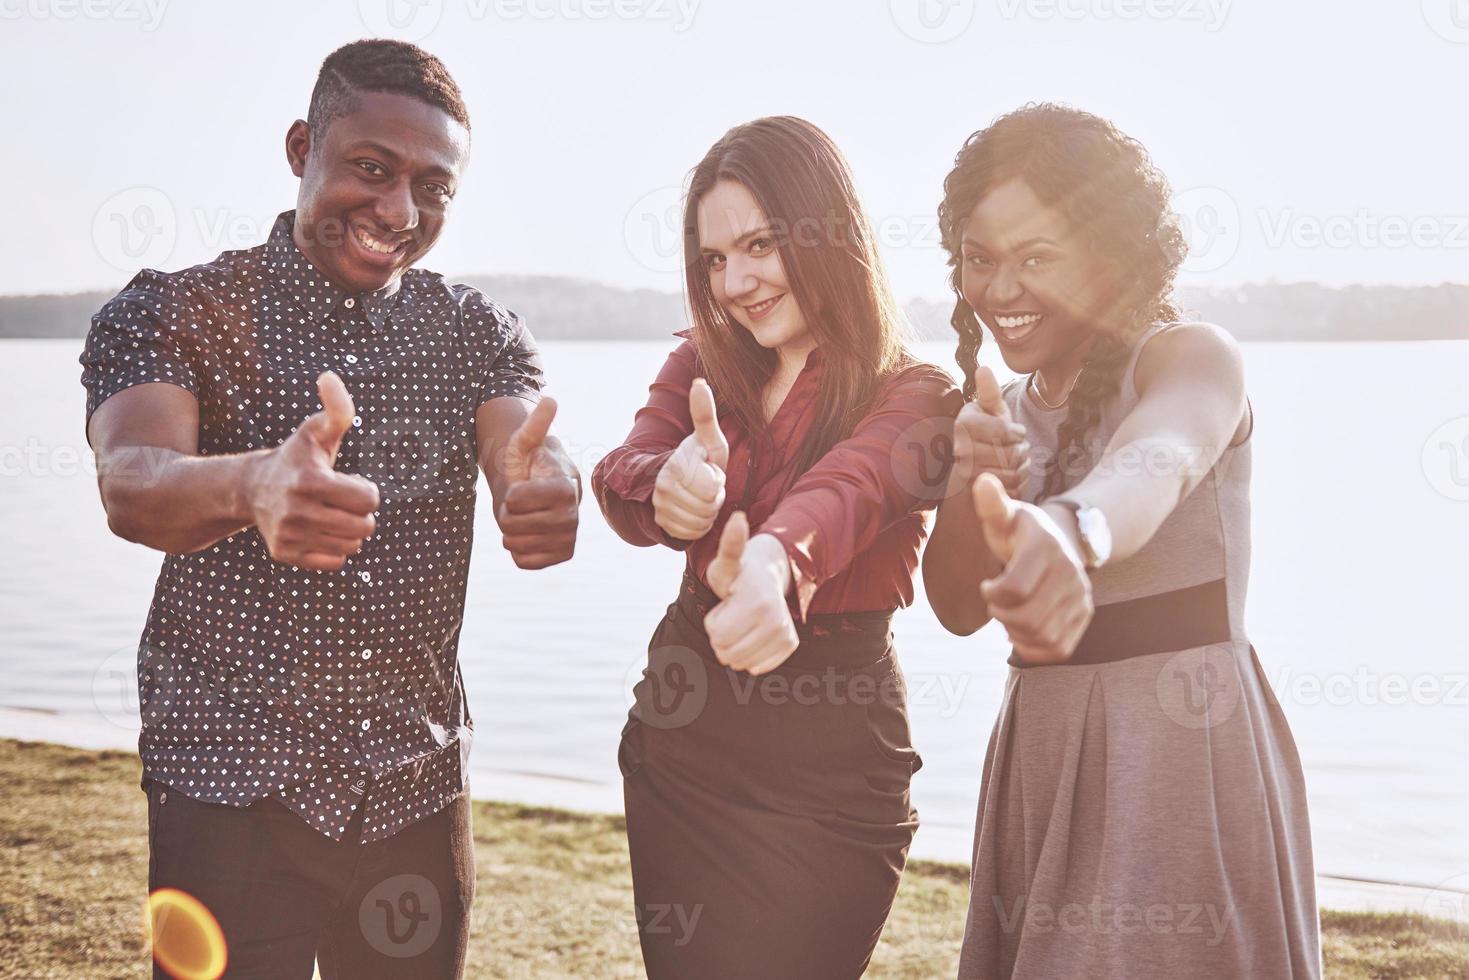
column 623, row 483
column 175, row 502
column 955, row 562
column 1138, row 483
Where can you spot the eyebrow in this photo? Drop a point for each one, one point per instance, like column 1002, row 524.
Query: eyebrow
column 1022, row 246
column 763, row 230
column 392, row 155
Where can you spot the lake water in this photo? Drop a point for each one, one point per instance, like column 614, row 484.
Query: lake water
column 1357, row 599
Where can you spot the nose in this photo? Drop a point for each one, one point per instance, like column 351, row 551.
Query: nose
column 395, row 209
column 1003, row 289
column 739, row 276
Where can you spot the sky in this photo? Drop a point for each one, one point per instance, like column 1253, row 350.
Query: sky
column 1305, row 140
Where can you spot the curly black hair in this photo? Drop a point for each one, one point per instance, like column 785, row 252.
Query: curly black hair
column 1105, row 184
column 380, row 65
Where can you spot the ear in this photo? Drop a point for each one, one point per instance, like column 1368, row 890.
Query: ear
column 298, row 145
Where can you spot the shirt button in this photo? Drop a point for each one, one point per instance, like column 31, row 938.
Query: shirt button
column 366, row 577
column 366, row 654
column 366, row 724
column 357, row 421
column 350, row 302
column 351, row 358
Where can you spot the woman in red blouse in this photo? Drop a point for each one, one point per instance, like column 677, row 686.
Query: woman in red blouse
column 787, row 447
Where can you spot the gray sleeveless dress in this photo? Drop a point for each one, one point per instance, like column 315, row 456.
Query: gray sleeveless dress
column 1143, row 814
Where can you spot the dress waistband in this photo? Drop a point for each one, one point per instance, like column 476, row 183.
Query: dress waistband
column 1195, row 616
column 853, row 639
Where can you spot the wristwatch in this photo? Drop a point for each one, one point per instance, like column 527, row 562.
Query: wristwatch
column 1091, row 526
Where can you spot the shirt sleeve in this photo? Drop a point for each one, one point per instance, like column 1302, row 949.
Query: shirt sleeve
column 623, row 480
column 511, row 365
column 149, row 332
column 894, row 463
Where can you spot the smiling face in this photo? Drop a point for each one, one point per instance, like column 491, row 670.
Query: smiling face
column 375, row 190
column 737, row 244
column 1031, row 279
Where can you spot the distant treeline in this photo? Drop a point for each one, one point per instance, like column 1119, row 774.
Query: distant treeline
column 558, row 308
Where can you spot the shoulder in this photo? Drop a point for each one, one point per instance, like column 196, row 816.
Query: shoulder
column 928, row 383
column 1192, row 348
column 473, row 305
column 184, row 299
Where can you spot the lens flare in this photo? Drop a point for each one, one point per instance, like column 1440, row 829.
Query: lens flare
column 187, row 941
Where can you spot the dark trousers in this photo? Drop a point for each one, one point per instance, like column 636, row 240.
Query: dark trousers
column 768, row 819
column 285, row 895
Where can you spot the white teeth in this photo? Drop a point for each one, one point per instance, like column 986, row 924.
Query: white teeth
column 373, row 245
column 759, row 308
column 1016, row 322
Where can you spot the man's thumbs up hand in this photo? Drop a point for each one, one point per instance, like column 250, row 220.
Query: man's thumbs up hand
column 310, row 515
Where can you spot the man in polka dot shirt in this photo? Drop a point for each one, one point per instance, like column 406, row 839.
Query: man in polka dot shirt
column 300, row 426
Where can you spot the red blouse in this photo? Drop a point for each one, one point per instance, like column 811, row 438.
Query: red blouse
column 852, row 524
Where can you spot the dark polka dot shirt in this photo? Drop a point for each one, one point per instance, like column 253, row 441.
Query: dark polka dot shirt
column 328, row 690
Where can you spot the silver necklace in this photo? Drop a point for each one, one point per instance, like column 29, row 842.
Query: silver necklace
column 1035, row 385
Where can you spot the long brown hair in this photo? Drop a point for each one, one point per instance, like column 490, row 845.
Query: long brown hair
column 1107, row 187
column 804, row 187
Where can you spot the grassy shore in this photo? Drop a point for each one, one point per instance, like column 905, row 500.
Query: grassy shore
column 553, row 893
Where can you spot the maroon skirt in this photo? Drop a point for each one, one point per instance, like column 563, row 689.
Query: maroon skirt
column 768, row 818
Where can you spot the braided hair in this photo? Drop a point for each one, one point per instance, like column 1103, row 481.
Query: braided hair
column 1108, row 188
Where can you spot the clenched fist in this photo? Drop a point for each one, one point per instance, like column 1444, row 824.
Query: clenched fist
column 310, row 515
column 988, row 440
column 1043, row 597
column 690, row 487
column 751, row 629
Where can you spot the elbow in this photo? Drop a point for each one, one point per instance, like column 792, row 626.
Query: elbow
column 957, row 620
column 956, row 614
column 121, row 518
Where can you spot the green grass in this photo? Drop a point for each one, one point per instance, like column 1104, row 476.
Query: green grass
column 553, row 893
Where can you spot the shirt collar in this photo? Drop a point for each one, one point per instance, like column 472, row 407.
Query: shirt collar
column 311, row 291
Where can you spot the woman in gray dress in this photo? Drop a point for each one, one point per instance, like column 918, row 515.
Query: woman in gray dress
column 1142, row 813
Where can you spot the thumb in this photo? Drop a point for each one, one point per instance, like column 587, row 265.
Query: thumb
column 706, row 423
column 726, row 565
column 327, row 427
column 987, row 393
column 996, row 515
column 529, row 437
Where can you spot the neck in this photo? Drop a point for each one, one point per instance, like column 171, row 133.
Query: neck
column 793, row 355
column 1057, row 376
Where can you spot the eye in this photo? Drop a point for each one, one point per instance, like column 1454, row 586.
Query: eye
column 438, row 190
column 977, row 260
column 1033, row 261
column 714, row 261
column 761, row 246
column 371, row 167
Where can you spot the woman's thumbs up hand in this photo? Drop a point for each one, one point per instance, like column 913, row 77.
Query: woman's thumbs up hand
column 690, row 487
column 988, row 440
column 1043, row 597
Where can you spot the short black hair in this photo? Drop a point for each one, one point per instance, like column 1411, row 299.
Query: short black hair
column 380, row 65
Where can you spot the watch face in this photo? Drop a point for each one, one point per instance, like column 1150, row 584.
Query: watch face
column 1095, row 534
